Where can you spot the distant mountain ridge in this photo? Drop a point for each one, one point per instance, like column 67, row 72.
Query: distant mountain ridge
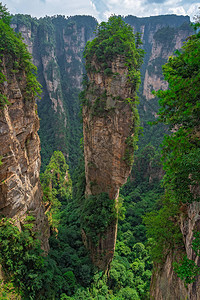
column 57, row 44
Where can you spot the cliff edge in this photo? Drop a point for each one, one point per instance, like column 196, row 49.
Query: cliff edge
column 175, row 228
column 20, row 190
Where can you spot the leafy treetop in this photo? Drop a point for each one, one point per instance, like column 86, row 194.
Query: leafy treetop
column 57, row 187
column 114, row 38
column 4, row 14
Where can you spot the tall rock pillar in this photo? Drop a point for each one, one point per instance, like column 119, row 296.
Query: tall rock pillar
column 110, row 121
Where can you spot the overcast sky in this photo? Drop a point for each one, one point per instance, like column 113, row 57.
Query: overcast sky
column 101, row 9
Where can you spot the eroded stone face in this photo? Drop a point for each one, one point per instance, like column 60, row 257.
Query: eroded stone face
column 107, row 123
column 164, row 283
column 20, row 190
column 160, row 53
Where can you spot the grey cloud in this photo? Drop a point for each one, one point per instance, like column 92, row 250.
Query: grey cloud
column 141, row 8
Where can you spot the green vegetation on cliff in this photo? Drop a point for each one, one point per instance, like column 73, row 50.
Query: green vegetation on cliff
column 98, row 213
column 115, row 38
column 56, row 186
column 67, row 272
column 20, row 257
column 180, row 109
column 14, row 55
column 110, row 117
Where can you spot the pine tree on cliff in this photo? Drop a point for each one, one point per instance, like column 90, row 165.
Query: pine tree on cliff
column 110, row 127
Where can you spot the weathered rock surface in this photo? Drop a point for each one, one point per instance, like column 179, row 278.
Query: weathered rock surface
column 57, row 45
column 20, row 190
column 160, row 53
column 107, row 123
column 161, row 36
column 165, row 285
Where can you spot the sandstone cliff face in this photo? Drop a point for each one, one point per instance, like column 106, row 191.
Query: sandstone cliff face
column 20, row 190
column 57, row 44
column 161, row 36
column 107, row 123
column 165, row 285
column 160, row 52
column 26, row 34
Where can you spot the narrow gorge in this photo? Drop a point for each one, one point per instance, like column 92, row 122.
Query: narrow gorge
column 57, row 44
column 91, row 211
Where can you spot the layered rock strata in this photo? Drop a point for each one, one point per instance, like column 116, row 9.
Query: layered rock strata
column 107, row 124
column 20, row 190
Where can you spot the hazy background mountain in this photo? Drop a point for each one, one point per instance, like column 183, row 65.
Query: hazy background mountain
column 57, row 45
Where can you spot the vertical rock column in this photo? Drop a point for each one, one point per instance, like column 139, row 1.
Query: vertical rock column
column 20, row 189
column 108, row 122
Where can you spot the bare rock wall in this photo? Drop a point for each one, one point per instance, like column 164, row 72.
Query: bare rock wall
column 20, row 190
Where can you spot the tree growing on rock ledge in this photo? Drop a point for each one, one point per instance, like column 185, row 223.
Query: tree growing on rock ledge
column 175, row 229
column 110, row 128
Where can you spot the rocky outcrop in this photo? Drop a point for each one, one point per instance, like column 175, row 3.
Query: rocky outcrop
column 162, row 49
column 106, row 128
column 57, row 45
column 165, row 285
column 161, row 36
column 107, row 125
column 182, row 256
column 188, row 226
column 20, row 190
